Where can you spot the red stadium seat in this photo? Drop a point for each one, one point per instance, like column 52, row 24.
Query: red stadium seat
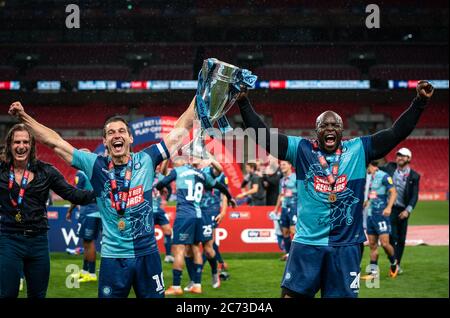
column 8, row 73
column 82, row 72
column 411, row 72
column 48, row 155
column 75, row 116
column 430, row 160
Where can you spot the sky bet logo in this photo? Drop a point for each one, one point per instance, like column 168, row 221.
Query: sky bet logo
column 258, row 236
column 258, row 233
column 240, row 215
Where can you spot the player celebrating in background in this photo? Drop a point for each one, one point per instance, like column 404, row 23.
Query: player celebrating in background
column 188, row 225
column 214, row 208
column 326, row 253
column 89, row 227
column 288, row 201
column 381, row 198
column 159, row 215
column 122, row 183
column 254, row 181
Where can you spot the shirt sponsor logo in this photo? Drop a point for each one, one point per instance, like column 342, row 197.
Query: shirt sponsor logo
column 321, row 184
column 52, row 215
column 135, row 197
column 240, row 215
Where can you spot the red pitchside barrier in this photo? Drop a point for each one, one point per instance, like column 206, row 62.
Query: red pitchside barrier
column 244, row 229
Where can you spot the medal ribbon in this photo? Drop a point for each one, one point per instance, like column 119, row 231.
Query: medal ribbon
column 333, row 172
column 23, row 184
column 120, row 204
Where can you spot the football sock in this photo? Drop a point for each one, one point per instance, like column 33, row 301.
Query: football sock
column 168, row 244
column 177, row 277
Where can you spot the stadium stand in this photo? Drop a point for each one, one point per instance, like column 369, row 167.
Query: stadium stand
column 271, row 61
column 300, row 72
column 8, row 73
column 430, row 160
column 282, row 115
column 411, row 72
column 434, row 117
column 48, row 155
column 79, row 72
column 166, row 72
column 84, row 116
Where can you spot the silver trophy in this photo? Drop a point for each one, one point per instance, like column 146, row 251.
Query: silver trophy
column 219, row 84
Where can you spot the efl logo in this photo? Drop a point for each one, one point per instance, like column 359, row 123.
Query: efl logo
column 135, row 197
column 321, row 184
column 240, row 215
column 258, row 236
column 52, row 215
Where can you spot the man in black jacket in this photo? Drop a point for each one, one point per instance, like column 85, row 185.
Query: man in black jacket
column 406, row 182
column 25, row 183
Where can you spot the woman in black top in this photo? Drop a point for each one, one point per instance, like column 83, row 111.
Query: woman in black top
column 25, row 183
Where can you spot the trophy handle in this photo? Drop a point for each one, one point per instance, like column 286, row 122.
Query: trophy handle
column 196, row 148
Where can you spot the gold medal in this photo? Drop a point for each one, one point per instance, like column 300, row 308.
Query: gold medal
column 332, row 197
column 18, row 217
column 121, row 224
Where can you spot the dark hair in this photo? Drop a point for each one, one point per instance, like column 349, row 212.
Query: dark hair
column 374, row 163
column 9, row 139
column 113, row 119
column 252, row 165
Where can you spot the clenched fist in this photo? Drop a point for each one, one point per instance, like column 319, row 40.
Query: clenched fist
column 16, row 109
column 424, row 89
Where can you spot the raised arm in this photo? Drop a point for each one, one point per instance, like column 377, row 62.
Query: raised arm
column 181, row 129
column 253, row 120
column 386, row 140
column 42, row 133
column 217, row 166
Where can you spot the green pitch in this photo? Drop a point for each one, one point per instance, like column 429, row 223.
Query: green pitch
column 430, row 213
column 426, row 270
column 259, row 275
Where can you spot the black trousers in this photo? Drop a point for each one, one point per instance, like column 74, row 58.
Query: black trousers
column 398, row 233
column 27, row 254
